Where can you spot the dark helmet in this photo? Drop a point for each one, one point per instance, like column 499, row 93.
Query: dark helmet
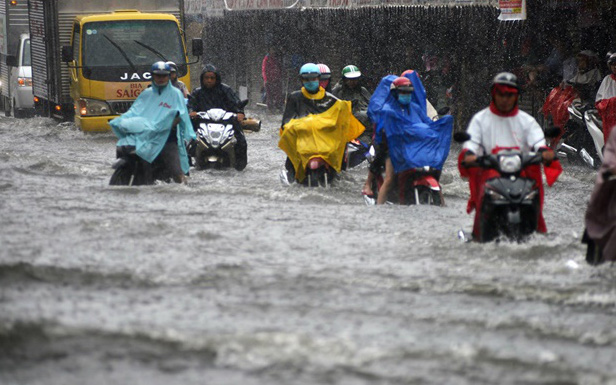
column 161, row 68
column 402, row 84
column 611, row 59
column 506, row 79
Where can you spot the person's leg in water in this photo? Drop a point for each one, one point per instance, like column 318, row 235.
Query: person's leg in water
column 381, row 154
column 171, row 158
column 387, row 183
column 241, row 148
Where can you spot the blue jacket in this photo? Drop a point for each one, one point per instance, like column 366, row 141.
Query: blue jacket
column 413, row 139
column 147, row 124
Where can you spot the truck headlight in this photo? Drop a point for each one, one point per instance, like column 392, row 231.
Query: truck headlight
column 93, row 107
column 24, row 82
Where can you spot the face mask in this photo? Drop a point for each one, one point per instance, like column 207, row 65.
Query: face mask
column 312, row 86
column 404, row 99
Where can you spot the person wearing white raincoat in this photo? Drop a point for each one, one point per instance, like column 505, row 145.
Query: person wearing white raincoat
column 151, row 125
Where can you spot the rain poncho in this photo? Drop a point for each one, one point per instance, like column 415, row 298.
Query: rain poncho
column 323, row 135
column 147, row 124
column 413, row 139
column 606, row 104
column 601, row 213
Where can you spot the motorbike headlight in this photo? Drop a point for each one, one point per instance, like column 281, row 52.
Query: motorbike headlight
column 93, row 107
column 531, row 195
column 494, row 195
column 510, row 163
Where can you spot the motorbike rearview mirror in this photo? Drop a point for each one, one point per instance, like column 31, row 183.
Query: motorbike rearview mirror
column 443, row 111
column 461, row 137
column 67, row 53
column 197, row 47
column 552, row 132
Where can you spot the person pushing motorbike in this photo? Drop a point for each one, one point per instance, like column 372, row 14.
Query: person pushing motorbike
column 158, row 125
column 503, row 125
column 215, row 94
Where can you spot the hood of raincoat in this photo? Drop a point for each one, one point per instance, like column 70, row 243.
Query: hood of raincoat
column 147, row 124
column 413, row 139
column 210, row 68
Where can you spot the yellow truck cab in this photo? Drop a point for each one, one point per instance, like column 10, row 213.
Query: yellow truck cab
column 111, row 59
column 90, row 63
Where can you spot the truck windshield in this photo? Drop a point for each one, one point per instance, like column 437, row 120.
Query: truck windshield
column 131, row 42
column 26, row 59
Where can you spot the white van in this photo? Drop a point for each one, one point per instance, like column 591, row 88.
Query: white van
column 19, row 101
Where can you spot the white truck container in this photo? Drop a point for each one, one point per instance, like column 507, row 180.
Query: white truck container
column 16, row 96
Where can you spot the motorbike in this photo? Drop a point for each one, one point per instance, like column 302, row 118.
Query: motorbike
column 356, row 153
column 216, row 140
column 417, row 186
column 582, row 140
column 319, row 173
column 511, row 202
column 131, row 170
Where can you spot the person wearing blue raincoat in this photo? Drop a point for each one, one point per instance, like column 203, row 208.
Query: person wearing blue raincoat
column 150, row 125
column 404, row 132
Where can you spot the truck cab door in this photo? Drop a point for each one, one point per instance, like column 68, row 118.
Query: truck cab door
column 73, row 66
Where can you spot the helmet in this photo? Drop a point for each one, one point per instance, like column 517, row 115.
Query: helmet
column 173, row 66
column 351, row 72
column 587, row 53
column 506, row 79
column 402, row 84
column 612, row 59
column 407, row 72
column 161, row 68
column 309, row 70
column 325, row 71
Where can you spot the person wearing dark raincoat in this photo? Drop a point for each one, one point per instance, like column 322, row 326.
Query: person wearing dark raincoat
column 215, row 94
column 150, row 124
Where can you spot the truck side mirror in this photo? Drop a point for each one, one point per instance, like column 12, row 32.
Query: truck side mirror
column 67, row 53
column 11, row 61
column 197, row 47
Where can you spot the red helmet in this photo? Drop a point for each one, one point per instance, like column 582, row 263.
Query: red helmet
column 402, row 84
column 407, row 72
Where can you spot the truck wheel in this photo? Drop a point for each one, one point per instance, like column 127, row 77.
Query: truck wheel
column 15, row 112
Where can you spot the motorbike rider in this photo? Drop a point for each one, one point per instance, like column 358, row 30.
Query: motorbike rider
column 162, row 109
column 177, row 83
column 215, row 94
column 405, row 131
column 605, row 100
column 326, row 77
column 600, row 218
column 504, row 125
column 311, row 99
column 400, row 89
column 350, row 88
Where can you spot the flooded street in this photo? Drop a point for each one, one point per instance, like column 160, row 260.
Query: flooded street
column 237, row 279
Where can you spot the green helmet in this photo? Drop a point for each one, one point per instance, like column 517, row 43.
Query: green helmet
column 351, row 72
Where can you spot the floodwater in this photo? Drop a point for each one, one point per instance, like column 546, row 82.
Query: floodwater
column 237, row 279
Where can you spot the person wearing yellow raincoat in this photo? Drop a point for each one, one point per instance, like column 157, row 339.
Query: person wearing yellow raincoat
column 315, row 124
